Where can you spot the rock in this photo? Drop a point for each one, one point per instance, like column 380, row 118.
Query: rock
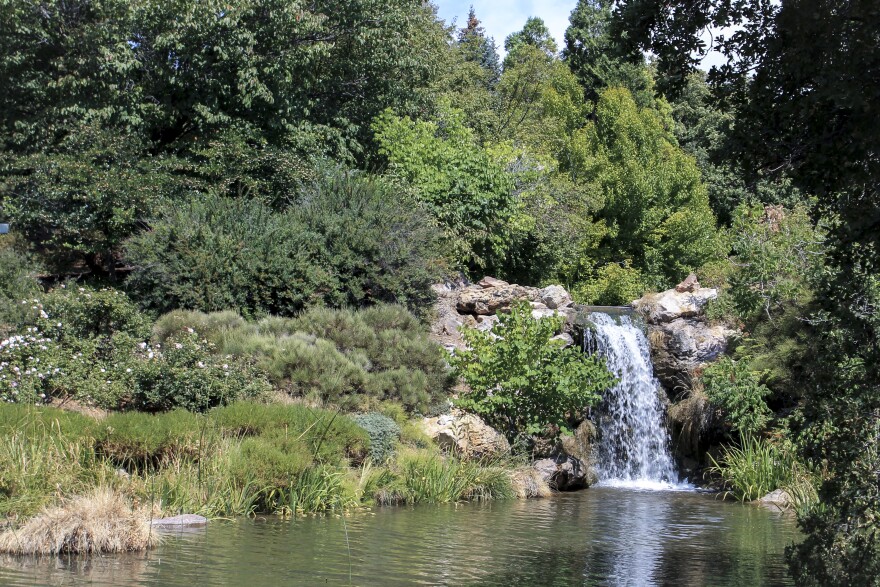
column 563, row 472
column 182, row 521
column 566, row 338
column 555, row 296
column 778, row 498
column 485, row 301
column 447, row 321
column 465, row 434
column 671, row 304
column 681, row 347
column 545, row 313
column 689, row 284
column 488, row 282
column 486, row 323
column 580, row 443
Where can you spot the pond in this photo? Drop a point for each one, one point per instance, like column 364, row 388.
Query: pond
column 601, row 536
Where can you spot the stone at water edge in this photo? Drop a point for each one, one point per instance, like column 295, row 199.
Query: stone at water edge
column 564, row 472
column 778, row 498
column 182, row 521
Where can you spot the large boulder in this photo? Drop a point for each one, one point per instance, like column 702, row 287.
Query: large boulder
column 564, row 472
column 466, row 435
column 555, row 296
column 480, row 300
column 670, row 305
column 683, row 346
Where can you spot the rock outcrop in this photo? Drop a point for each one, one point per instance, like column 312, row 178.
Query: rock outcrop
column 564, row 472
column 682, row 340
column 466, row 435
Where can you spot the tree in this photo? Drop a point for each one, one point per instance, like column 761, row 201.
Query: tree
column 534, row 34
column 801, row 78
column 595, row 57
column 477, row 48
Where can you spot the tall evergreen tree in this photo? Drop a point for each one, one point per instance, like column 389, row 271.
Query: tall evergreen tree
column 476, row 47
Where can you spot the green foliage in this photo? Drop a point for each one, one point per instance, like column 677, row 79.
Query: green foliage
column 426, row 477
column 533, row 34
column 383, row 432
column 186, row 373
column 523, row 382
column 656, row 207
column 78, row 201
column 737, row 390
column 597, row 59
column 18, row 284
column 466, row 192
column 136, row 440
column 613, row 285
column 72, row 312
column 348, row 242
column 777, row 255
column 351, row 358
column 753, row 469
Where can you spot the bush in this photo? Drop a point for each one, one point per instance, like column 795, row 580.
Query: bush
column 18, row 284
column 383, row 432
column 738, row 391
column 73, row 312
column 137, row 441
column 351, row 358
column 186, row 373
column 330, row 436
column 613, row 285
column 347, row 241
column 523, row 382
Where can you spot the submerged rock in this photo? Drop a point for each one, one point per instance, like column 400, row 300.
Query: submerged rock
column 181, row 521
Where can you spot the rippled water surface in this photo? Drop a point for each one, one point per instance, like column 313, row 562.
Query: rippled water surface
column 602, row 536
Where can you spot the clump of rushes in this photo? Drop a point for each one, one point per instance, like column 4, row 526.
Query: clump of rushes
column 103, row 521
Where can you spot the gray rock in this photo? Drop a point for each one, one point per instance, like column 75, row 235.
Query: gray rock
column 566, row 338
column 563, row 472
column 681, row 347
column 555, row 296
column 466, row 435
column 779, row 498
column 485, row 301
column 488, row 282
column 671, row 304
column 182, row 521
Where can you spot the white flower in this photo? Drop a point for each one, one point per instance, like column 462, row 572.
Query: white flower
column 225, row 366
column 128, row 370
column 177, row 345
column 103, row 370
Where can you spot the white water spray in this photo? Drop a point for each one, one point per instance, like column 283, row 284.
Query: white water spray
column 634, row 444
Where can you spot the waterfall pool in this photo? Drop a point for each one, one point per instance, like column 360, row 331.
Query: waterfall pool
column 600, row 536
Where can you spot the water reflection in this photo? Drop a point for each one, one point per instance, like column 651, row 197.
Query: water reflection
column 601, row 536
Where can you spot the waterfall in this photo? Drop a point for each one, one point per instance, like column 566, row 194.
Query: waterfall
column 633, row 449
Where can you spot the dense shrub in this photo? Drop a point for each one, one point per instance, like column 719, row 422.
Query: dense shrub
column 523, row 382
column 138, row 440
column 275, row 462
column 348, row 240
column 186, row 373
column 74, row 312
column 738, row 391
column 351, row 358
column 18, row 284
column 383, row 432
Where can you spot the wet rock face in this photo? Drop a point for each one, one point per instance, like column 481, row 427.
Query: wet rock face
column 564, row 472
column 682, row 339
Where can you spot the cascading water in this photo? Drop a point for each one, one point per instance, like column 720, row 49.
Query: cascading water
column 634, row 444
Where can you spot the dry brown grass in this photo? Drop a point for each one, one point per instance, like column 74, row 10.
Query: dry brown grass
column 527, row 483
column 102, row 522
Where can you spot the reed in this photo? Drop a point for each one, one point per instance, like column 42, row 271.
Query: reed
column 753, row 469
column 103, row 521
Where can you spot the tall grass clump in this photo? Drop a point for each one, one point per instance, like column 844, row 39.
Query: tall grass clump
column 426, row 477
column 753, row 469
column 102, row 521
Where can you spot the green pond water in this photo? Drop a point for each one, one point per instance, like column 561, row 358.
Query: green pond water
column 601, row 536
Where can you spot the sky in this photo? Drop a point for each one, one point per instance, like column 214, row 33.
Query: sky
column 500, row 18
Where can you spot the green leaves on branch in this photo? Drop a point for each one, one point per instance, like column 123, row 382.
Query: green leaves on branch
column 524, row 382
column 738, row 391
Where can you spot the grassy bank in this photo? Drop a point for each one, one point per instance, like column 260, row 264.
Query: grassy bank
column 240, row 459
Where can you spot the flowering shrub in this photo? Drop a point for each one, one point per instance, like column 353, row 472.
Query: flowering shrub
column 185, row 372
column 29, row 367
